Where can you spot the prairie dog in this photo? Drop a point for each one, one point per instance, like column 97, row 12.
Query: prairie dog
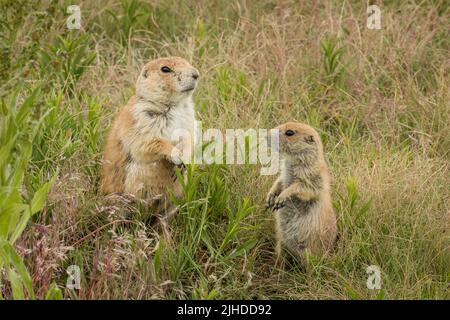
column 139, row 156
column 305, row 220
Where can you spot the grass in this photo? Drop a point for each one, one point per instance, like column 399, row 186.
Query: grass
column 378, row 97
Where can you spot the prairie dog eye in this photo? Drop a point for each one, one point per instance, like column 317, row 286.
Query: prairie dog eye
column 166, row 69
column 289, row 133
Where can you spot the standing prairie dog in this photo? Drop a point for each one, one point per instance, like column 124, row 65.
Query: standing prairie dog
column 305, row 220
column 140, row 156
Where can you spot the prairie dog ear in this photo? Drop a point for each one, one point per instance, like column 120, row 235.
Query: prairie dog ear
column 145, row 73
column 309, row 139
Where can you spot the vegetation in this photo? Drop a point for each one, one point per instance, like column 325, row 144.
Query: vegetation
column 378, row 97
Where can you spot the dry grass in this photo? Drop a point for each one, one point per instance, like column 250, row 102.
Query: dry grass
column 382, row 110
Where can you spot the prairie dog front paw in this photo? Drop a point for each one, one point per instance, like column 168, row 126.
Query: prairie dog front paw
column 279, row 203
column 270, row 199
column 281, row 200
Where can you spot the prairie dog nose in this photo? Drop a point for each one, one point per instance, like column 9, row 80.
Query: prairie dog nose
column 195, row 74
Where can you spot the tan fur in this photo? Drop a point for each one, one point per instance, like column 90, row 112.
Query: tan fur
column 140, row 156
column 305, row 220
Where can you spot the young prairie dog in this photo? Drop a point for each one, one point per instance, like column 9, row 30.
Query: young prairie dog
column 139, row 156
column 305, row 220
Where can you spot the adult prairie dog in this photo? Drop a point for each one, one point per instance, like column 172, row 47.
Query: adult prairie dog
column 305, row 220
column 140, row 156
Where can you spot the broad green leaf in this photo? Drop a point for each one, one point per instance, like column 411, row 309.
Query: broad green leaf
column 21, row 165
column 20, row 224
column 5, row 151
column 54, row 293
column 24, row 110
column 9, row 217
column 16, row 284
column 381, row 294
column 240, row 250
column 40, row 196
column 12, row 196
column 8, row 253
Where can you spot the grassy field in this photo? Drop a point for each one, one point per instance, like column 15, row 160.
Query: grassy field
column 380, row 99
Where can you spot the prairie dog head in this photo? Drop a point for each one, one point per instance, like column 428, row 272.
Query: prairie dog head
column 166, row 81
column 299, row 140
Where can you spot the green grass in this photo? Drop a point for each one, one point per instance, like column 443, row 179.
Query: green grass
column 379, row 99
